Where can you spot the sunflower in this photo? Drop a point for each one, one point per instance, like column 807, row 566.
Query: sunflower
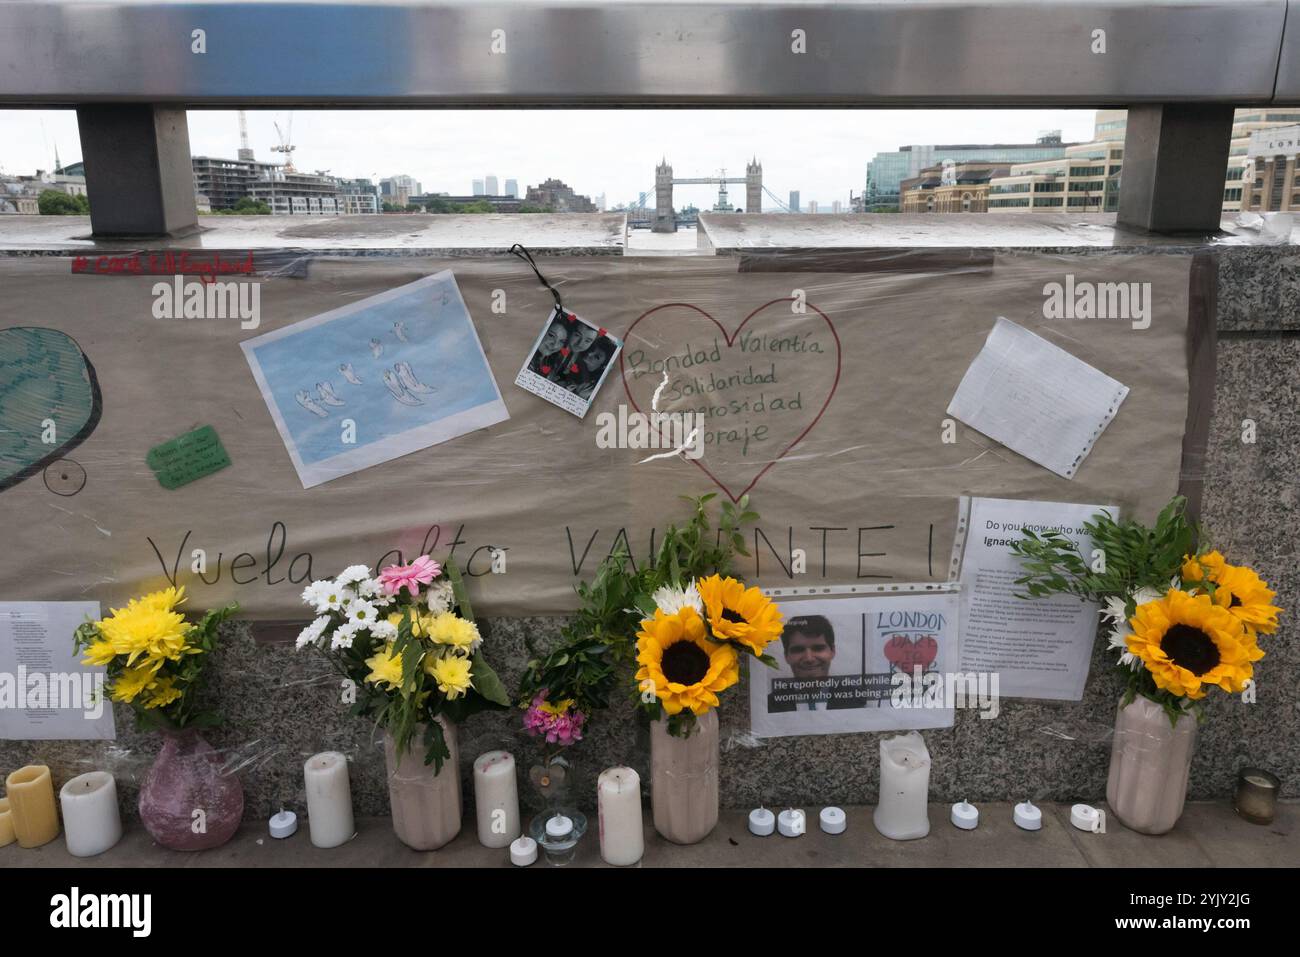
column 739, row 614
column 1189, row 643
column 686, row 668
column 1238, row 589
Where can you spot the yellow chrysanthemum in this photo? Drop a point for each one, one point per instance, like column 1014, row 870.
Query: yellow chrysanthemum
column 450, row 629
column 100, row 653
column 146, row 626
column 740, row 614
column 385, row 668
column 452, row 673
column 686, row 668
column 1188, row 643
column 163, row 693
column 558, row 708
column 128, row 685
column 165, row 600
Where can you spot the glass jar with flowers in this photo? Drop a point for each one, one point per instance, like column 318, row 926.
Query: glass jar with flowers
column 407, row 642
column 155, row 661
column 1181, row 621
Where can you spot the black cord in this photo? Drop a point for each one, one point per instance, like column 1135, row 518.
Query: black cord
column 522, row 253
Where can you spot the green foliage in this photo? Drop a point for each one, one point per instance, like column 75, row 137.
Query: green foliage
column 1135, row 556
column 53, row 202
column 599, row 644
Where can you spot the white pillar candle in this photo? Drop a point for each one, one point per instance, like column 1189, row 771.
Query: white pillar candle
column 329, row 799
column 618, row 800
column 91, row 823
column 903, row 811
column 496, row 798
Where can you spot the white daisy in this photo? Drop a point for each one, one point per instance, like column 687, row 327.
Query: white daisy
column 354, row 575
column 330, row 596
column 362, row 612
column 367, row 587
column 1118, row 643
column 383, row 631
column 440, row 596
column 311, row 634
column 672, row 600
column 344, row 634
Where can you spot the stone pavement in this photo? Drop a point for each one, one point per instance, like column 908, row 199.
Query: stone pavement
column 1209, row 835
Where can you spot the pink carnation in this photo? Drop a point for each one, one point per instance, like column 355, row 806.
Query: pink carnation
column 420, row 572
column 564, row 728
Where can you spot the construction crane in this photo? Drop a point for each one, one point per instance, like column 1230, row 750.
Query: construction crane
column 285, row 146
column 245, row 152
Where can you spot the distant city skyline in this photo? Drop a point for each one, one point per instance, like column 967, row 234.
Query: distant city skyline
column 823, row 154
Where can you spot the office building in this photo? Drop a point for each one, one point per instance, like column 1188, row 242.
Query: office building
column 226, row 181
column 887, row 170
column 359, row 197
column 297, row 193
column 490, row 186
column 794, row 201
column 950, row 188
column 1269, row 182
column 398, row 190
column 478, row 189
column 512, row 188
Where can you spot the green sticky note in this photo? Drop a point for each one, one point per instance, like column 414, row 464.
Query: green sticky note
column 188, row 458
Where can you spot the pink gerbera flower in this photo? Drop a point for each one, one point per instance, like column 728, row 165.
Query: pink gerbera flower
column 420, row 572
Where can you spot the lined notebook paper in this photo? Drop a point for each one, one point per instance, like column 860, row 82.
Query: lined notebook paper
column 1036, row 398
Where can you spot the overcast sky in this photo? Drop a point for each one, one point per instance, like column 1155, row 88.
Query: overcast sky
column 821, row 153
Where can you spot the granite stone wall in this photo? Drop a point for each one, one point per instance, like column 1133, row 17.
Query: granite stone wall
column 282, row 706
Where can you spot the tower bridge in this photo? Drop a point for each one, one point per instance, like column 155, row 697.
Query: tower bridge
column 665, row 220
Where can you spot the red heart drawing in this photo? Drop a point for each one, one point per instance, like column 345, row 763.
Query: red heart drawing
column 546, row 370
column 907, row 654
column 601, row 331
column 574, row 367
column 564, row 351
column 730, row 339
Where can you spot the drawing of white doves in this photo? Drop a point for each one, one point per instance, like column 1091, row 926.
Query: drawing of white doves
column 311, row 405
column 399, row 393
column 326, row 392
column 399, row 330
column 408, row 379
column 346, row 369
column 376, row 348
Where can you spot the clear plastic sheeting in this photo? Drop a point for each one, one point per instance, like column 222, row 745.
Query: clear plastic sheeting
column 816, row 383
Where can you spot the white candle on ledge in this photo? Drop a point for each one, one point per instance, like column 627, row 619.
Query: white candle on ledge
column 622, row 832
column 329, row 799
column 496, row 798
column 91, row 823
column 903, row 812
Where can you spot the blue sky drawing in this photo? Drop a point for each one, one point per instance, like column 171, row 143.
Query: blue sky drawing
column 442, row 351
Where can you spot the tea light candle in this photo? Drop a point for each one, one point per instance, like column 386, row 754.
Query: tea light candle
column 523, row 851
column 6, row 823
column 618, row 801
column 833, row 820
column 283, row 825
column 1027, row 816
column 965, row 816
column 1256, row 798
column 1088, row 818
column 903, row 811
column 762, row 821
column 559, row 828
column 91, row 823
column 329, row 799
column 791, row 822
column 31, row 802
column 496, row 798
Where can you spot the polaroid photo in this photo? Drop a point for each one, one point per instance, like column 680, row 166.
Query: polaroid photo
column 377, row 379
column 569, row 362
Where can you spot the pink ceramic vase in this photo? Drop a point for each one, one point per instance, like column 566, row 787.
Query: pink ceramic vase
column 1150, row 759
column 189, row 802
column 684, row 780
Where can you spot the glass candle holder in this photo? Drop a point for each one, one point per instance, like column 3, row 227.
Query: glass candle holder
column 1256, row 797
